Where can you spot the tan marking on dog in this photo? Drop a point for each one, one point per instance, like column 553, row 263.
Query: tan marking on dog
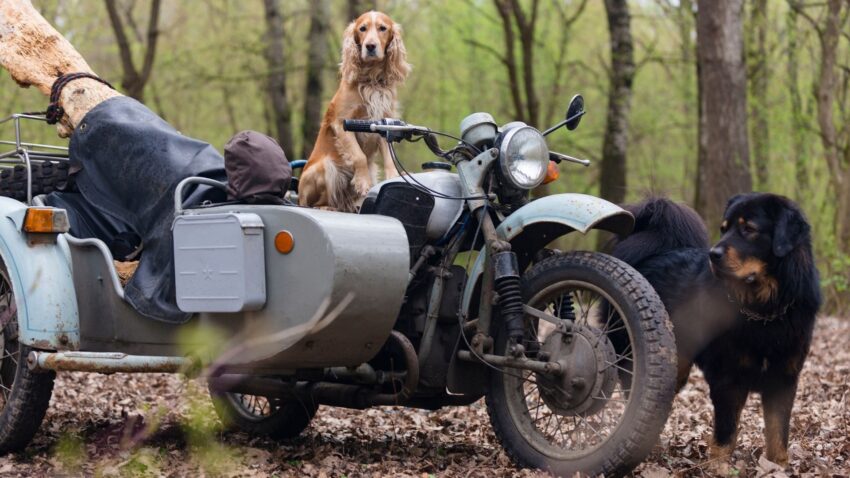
column 765, row 286
column 794, row 366
column 722, row 453
column 777, row 449
column 741, row 220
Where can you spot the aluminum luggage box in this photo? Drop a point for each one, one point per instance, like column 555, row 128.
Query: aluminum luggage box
column 219, row 262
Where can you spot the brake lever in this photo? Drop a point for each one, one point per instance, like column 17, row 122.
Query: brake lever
column 558, row 157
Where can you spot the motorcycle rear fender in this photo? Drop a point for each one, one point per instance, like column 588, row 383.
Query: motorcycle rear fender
column 40, row 274
column 540, row 222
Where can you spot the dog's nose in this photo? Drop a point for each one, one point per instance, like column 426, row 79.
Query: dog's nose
column 716, row 253
column 371, row 46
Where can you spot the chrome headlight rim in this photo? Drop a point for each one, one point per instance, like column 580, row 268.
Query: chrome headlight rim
column 504, row 162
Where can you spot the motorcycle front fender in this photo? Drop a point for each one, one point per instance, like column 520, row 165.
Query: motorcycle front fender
column 540, row 222
column 42, row 282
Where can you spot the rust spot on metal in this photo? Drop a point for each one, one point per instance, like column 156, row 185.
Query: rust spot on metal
column 42, row 344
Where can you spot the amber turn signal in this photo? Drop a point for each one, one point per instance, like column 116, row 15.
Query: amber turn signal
column 283, row 242
column 46, row 220
column 552, row 173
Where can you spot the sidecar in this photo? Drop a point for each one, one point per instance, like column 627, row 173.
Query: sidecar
column 286, row 288
column 290, row 287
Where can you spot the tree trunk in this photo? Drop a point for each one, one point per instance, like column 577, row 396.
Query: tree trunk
column 759, row 76
column 317, row 54
column 35, row 54
column 277, row 76
column 359, row 7
column 724, row 164
column 689, row 85
column 612, row 174
column 799, row 123
column 133, row 79
column 527, row 25
column 509, row 60
column 826, row 89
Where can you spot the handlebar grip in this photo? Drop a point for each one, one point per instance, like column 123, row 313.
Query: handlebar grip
column 359, row 126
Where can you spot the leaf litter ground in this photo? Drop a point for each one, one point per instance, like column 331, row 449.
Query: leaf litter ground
column 163, row 425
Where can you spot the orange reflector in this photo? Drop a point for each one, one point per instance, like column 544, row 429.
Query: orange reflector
column 552, row 173
column 46, row 220
column 283, row 242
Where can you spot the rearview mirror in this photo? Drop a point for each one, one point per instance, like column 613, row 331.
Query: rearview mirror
column 574, row 112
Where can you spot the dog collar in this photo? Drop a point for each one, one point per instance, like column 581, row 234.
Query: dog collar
column 756, row 317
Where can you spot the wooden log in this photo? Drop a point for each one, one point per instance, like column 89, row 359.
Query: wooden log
column 35, row 54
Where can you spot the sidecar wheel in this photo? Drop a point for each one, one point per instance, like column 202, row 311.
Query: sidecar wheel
column 24, row 394
column 602, row 413
column 276, row 418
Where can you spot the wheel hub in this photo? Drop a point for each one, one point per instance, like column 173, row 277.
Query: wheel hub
column 586, row 357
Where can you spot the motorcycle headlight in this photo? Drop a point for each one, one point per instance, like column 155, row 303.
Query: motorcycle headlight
column 524, row 157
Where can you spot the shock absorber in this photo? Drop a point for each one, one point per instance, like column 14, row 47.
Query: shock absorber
column 507, row 285
column 565, row 308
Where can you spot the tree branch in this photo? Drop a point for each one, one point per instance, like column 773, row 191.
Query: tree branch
column 123, row 43
column 153, row 32
column 489, row 49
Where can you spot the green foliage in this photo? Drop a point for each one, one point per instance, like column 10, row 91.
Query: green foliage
column 70, row 453
column 210, row 72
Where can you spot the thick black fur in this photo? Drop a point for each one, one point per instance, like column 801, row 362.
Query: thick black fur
column 743, row 310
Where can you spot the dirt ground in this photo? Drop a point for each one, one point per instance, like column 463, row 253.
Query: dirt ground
column 160, row 425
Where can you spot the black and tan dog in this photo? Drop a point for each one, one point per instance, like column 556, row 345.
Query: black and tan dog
column 742, row 310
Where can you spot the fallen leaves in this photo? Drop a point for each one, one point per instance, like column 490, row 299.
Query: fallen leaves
column 136, row 425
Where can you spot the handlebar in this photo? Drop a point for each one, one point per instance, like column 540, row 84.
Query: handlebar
column 359, row 126
column 393, row 130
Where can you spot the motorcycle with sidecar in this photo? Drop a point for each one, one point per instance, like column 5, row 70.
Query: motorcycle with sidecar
column 441, row 291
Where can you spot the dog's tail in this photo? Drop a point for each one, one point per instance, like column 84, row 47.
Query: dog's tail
column 661, row 225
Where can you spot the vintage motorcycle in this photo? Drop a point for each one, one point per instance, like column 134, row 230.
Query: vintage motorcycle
column 441, row 291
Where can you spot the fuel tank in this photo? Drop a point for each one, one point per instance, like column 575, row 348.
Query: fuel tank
column 446, row 211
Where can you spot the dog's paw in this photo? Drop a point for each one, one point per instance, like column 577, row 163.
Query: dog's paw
column 361, row 185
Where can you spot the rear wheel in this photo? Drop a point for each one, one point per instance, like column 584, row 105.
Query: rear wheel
column 604, row 411
column 273, row 417
column 24, row 395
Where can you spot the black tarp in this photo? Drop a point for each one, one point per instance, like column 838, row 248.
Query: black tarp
column 129, row 162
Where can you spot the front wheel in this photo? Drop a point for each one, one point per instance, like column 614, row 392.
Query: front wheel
column 606, row 407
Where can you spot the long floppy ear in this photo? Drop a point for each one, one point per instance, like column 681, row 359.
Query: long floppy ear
column 789, row 231
column 397, row 67
column 349, row 67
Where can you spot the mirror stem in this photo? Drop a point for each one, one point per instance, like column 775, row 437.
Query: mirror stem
column 562, row 123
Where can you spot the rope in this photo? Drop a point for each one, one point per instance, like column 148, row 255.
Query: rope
column 55, row 112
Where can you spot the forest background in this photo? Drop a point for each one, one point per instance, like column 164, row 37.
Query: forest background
column 693, row 103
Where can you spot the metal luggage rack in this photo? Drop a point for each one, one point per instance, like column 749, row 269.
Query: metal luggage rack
column 27, row 154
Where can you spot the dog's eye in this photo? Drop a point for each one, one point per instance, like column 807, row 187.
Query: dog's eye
column 382, row 28
column 363, row 28
column 750, row 229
